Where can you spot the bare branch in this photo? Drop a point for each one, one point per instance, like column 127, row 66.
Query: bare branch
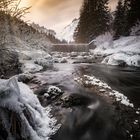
column 11, row 7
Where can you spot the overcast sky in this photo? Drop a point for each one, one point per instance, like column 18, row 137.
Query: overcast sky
column 55, row 14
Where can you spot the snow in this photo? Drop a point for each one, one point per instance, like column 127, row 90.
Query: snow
column 122, row 58
column 73, row 57
column 131, row 136
column 45, row 63
column 124, row 50
column 18, row 97
column 39, row 60
column 68, row 32
column 33, row 53
column 30, row 67
column 136, row 122
column 136, row 29
column 93, row 81
column 63, row 60
column 137, row 112
column 54, row 90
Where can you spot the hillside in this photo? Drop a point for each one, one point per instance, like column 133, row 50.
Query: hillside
column 15, row 33
column 20, row 44
column 51, row 34
column 42, row 29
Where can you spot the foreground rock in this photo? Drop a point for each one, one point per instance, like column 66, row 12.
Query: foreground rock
column 22, row 117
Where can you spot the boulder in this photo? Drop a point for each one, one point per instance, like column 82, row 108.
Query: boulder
column 9, row 62
column 49, row 94
column 63, row 60
column 45, row 63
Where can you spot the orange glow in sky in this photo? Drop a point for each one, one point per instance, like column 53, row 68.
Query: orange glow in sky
column 54, row 14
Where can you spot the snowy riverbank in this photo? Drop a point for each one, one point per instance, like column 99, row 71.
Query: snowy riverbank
column 124, row 51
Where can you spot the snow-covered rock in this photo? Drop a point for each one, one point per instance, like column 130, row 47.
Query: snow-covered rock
column 122, row 59
column 28, row 118
column 39, row 60
column 68, row 32
column 63, row 60
column 54, row 90
column 45, row 63
column 34, row 54
column 25, row 78
column 74, row 54
column 30, row 67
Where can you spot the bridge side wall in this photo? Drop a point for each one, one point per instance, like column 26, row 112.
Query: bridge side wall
column 71, row 48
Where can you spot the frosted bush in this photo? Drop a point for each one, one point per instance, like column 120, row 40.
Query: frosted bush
column 105, row 38
column 45, row 63
column 136, row 29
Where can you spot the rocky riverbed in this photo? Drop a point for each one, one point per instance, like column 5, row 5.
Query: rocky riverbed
column 84, row 106
column 84, row 110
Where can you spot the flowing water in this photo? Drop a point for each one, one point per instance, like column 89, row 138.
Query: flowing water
column 125, row 80
column 84, row 123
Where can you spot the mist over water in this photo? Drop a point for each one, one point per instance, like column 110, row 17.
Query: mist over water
column 82, row 122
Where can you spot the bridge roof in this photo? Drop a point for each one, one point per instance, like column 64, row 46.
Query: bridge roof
column 84, row 44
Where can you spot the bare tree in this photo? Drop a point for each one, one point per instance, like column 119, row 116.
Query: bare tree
column 12, row 8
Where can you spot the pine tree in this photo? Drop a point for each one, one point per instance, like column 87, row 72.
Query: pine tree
column 134, row 13
column 94, row 20
column 100, row 18
column 119, row 22
column 80, row 34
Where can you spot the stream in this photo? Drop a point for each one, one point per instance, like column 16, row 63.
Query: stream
column 125, row 80
column 98, row 123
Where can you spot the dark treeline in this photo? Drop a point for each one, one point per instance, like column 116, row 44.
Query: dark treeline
column 126, row 16
column 96, row 19
column 54, row 40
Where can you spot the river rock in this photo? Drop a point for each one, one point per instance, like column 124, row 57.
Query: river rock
column 45, row 63
column 47, row 95
column 9, row 62
column 25, row 78
column 63, row 60
column 74, row 99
